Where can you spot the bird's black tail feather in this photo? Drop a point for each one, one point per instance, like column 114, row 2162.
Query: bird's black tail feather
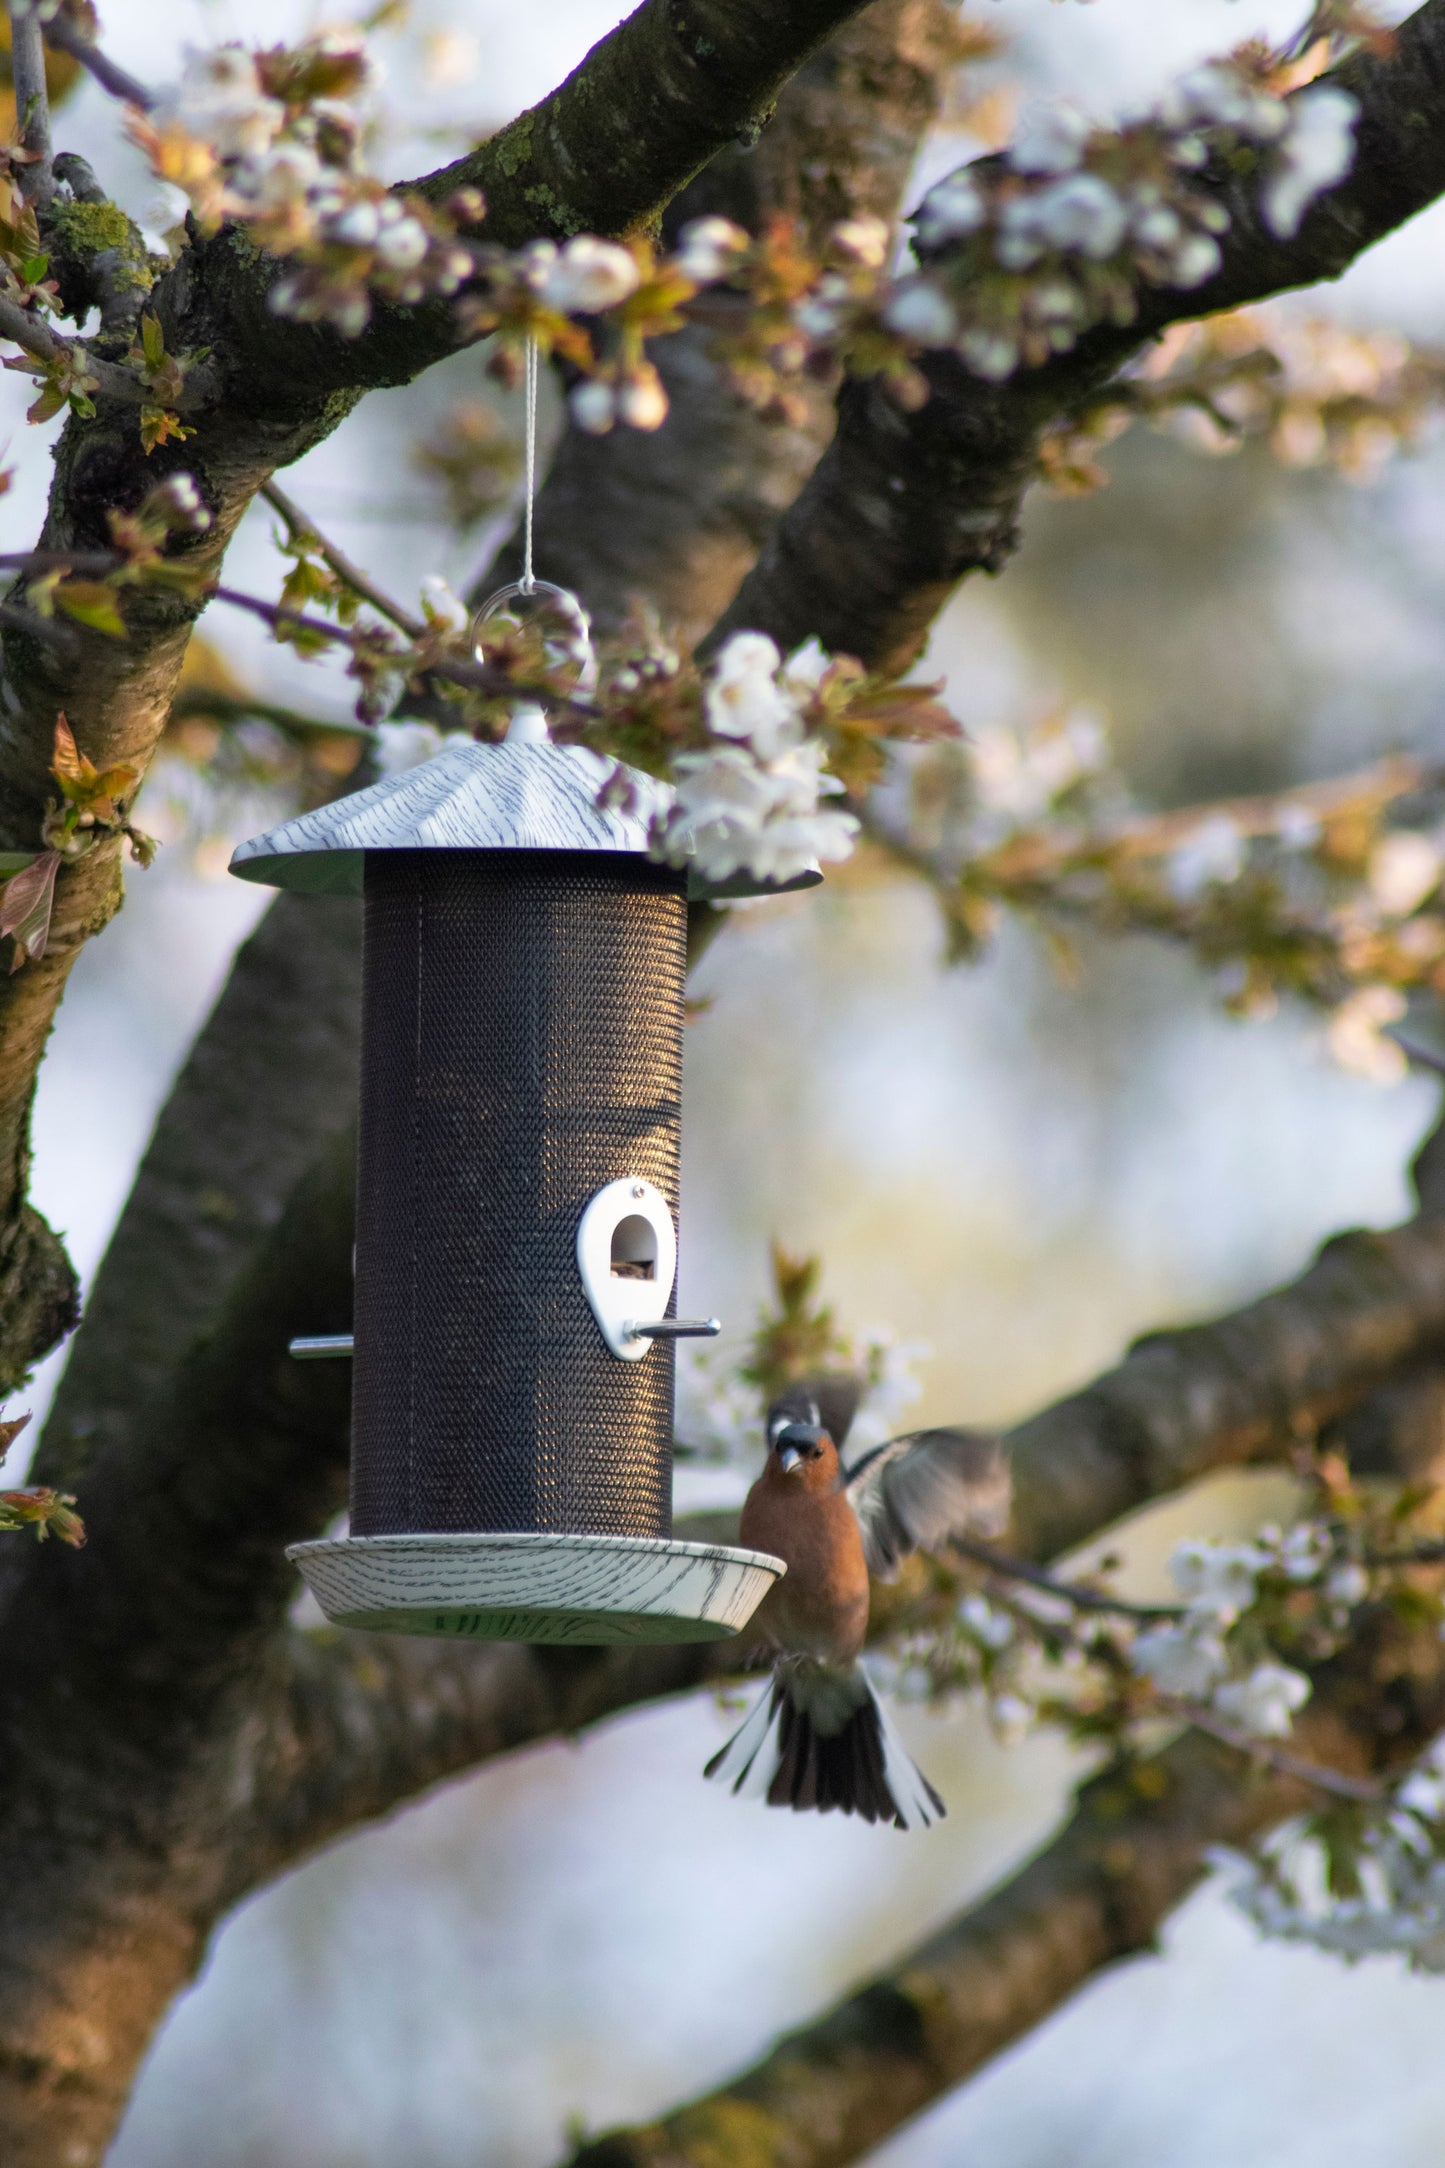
column 821, row 1740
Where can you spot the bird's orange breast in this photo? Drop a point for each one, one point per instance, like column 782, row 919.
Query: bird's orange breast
column 820, row 1607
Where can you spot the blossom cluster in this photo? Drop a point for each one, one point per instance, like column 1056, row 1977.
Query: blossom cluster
column 1191, row 1658
column 273, row 139
column 1023, row 255
column 1323, row 892
column 749, row 803
column 1392, row 1902
column 1313, row 390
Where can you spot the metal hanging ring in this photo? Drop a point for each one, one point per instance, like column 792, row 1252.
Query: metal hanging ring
column 580, row 644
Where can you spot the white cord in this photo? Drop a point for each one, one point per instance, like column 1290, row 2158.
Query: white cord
column 528, row 581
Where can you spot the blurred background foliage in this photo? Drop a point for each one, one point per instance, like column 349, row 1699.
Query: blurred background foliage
column 1020, row 1171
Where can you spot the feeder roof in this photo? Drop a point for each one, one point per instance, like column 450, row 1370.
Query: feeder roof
column 517, row 796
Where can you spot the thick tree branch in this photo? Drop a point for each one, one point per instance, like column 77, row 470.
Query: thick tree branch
column 270, row 1080
column 903, row 506
column 1208, row 1396
column 1135, row 1846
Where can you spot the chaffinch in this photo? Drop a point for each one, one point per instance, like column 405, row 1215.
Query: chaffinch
column 819, row 1737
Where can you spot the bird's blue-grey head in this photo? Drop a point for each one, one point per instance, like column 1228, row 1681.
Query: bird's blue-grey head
column 795, row 1433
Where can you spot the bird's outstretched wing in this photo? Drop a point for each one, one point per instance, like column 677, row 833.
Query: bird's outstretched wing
column 915, row 1492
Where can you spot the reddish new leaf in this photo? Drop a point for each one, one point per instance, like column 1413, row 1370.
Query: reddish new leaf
column 26, row 904
column 10, row 1431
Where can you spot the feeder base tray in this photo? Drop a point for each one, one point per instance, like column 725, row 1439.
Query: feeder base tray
column 588, row 1590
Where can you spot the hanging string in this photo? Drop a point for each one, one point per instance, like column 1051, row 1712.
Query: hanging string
column 528, row 580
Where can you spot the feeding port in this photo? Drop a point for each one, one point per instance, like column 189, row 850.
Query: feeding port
column 627, row 1257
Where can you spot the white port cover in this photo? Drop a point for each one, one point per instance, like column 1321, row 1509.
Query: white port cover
column 627, row 1256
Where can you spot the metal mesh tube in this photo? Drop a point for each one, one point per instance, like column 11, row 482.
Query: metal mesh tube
column 522, row 1046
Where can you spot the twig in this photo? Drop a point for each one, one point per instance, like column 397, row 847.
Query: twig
column 35, row 336
column 207, row 705
column 1073, row 1593
column 1420, row 1554
column 91, row 564
column 351, row 575
column 67, row 39
column 32, row 103
column 1279, row 1758
column 480, row 677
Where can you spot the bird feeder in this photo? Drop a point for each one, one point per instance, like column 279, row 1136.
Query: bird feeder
column 517, row 1196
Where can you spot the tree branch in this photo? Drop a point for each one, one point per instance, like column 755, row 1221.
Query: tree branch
column 904, row 506
column 299, row 526
column 63, row 35
column 34, row 336
column 32, row 100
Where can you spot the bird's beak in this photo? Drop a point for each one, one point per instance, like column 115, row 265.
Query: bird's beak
column 793, row 1443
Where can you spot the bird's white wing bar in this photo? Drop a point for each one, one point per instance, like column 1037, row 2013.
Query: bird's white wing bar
column 915, row 1492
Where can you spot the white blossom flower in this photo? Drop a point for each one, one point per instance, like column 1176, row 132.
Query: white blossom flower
column 990, row 1627
column 1217, row 1577
column 405, row 745
column 1080, row 212
column 1317, row 151
column 1405, row 867
column 708, row 248
column 179, row 503
column 1356, row 1034
column 441, row 607
column 1196, row 258
column 1216, row 95
column 1051, row 139
column 1304, row 1551
column 1265, row 1702
column 917, row 309
column 1011, row 1718
column 402, row 242
column 358, row 225
column 745, row 700
column 1214, row 853
column 587, row 275
column 951, row 210
column 1187, row 1660
column 451, row 58
column 1347, row 1584
column 1423, row 1791
column 219, row 100
column 736, row 813
column 990, row 354
column 864, row 238
column 593, row 407
column 806, row 668
column 641, row 399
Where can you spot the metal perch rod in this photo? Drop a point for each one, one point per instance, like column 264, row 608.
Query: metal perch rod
column 318, row 1347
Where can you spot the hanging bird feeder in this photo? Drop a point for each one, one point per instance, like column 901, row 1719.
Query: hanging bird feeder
column 517, row 1192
